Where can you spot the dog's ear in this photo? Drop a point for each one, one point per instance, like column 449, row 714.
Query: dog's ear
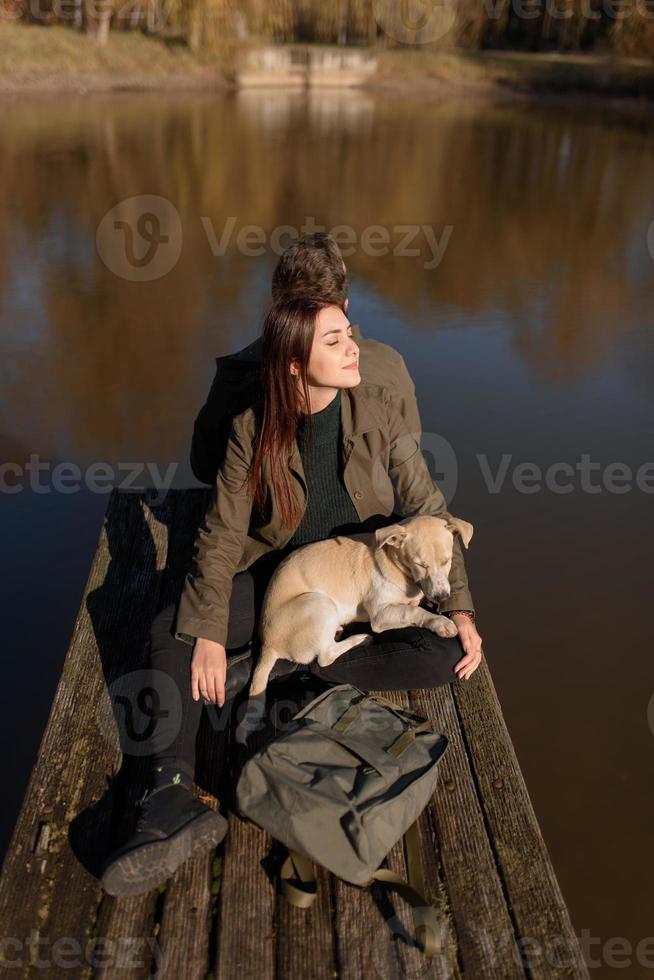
column 392, row 536
column 455, row 524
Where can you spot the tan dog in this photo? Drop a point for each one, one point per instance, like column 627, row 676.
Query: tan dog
column 379, row 577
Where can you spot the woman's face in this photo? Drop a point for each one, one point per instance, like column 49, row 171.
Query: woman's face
column 334, row 357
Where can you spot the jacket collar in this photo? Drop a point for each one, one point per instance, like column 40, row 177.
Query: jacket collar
column 358, row 415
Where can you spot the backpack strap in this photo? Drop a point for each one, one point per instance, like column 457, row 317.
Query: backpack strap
column 298, row 881
column 426, row 920
column 404, row 740
column 357, row 705
column 298, row 884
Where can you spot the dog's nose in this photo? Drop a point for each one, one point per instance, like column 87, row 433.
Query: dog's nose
column 441, row 596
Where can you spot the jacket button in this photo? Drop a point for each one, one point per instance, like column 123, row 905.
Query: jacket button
column 358, row 494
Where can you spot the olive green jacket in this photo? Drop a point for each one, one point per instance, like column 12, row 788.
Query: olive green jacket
column 384, row 472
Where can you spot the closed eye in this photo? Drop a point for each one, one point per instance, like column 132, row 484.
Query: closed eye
column 335, row 342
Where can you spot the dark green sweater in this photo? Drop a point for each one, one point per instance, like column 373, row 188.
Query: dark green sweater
column 329, row 508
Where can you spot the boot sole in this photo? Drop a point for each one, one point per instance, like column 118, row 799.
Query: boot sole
column 151, row 864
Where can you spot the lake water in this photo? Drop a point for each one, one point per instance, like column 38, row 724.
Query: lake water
column 523, row 310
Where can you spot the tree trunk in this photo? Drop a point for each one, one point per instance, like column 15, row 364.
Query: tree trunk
column 102, row 34
column 372, row 26
column 342, row 30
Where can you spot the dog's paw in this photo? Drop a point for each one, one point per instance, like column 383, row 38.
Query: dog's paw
column 445, row 627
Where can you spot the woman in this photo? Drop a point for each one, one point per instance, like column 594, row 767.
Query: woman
column 321, row 453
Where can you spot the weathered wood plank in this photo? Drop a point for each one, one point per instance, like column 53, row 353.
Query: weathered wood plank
column 183, row 937
column 363, row 921
column 304, row 938
column 412, row 962
column 455, row 823
column 135, row 917
column 58, row 889
column 246, row 911
column 544, row 929
column 126, row 940
column 189, row 902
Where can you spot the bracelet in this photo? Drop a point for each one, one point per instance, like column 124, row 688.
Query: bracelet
column 461, row 612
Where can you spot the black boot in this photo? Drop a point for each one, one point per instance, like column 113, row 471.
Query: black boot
column 172, row 826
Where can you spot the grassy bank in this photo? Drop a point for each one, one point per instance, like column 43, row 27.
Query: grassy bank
column 60, row 59
column 521, row 72
column 56, row 59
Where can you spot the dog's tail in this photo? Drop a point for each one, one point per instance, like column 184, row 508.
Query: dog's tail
column 267, row 660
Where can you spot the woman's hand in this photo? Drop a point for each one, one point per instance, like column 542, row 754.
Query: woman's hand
column 208, row 671
column 471, row 643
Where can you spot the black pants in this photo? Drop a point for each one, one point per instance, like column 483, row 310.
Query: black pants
column 397, row 659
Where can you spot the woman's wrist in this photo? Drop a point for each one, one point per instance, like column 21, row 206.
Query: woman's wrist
column 468, row 613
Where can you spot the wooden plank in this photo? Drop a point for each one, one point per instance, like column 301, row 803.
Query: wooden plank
column 364, row 942
column 183, row 939
column 445, row 965
column 304, row 937
column 246, row 910
column 126, row 939
column 398, row 917
column 543, row 927
column 454, row 823
column 136, row 917
column 189, row 902
column 54, row 853
column 358, row 926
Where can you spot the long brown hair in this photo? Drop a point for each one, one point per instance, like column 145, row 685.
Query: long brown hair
column 287, row 334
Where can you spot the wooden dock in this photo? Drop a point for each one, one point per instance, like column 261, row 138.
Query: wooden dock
column 305, row 65
column 484, row 860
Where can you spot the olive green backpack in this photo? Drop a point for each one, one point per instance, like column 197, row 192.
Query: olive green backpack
column 347, row 778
